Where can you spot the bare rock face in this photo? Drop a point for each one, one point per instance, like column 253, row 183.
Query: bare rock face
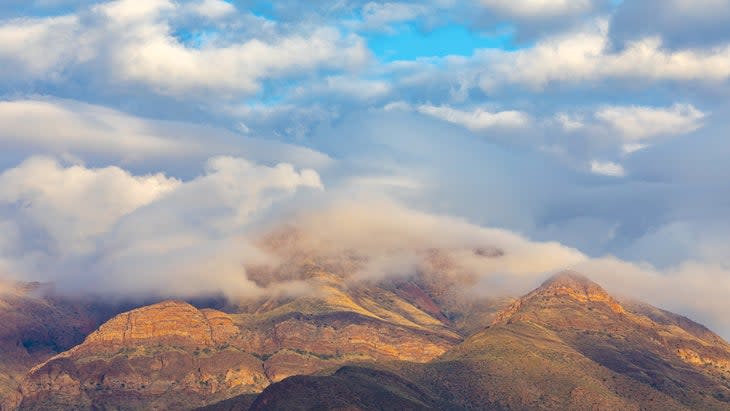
column 173, row 356
column 579, row 288
column 558, row 292
column 167, row 322
column 168, row 355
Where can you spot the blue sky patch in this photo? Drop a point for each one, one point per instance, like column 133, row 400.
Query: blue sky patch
column 410, row 42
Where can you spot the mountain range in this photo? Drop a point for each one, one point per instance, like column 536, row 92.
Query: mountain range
column 415, row 342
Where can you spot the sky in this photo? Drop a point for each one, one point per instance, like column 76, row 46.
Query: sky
column 147, row 145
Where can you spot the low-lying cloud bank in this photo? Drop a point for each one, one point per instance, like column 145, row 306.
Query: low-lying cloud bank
column 107, row 231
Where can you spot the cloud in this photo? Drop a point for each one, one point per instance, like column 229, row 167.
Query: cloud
column 67, row 126
column 379, row 16
column 643, row 123
column 675, row 288
column 347, row 87
column 532, row 9
column 127, row 11
column 161, row 62
column 529, row 20
column 147, row 54
column 584, row 56
column 478, row 119
column 195, row 242
column 73, row 204
column 629, row 128
column 607, row 168
column 64, row 127
column 214, row 9
column 376, row 226
column 107, row 231
column 680, row 23
column 569, row 122
column 292, row 121
column 40, row 48
column 633, row 147
column 374, row 239
column 134, row 43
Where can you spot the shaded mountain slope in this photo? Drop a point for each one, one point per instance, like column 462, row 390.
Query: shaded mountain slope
column 35, row 325
column 350, row 388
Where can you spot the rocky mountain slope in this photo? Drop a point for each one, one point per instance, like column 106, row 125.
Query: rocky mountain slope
column 350, row 388
column 568, row 345
column 173, row 356
column 415, row 342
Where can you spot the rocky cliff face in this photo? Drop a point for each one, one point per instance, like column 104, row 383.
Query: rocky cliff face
column 169, row 323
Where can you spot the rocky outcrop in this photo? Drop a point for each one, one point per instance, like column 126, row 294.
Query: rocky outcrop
column 168, row 322
column 167, row 354
column 560, row 289
column 578, row 287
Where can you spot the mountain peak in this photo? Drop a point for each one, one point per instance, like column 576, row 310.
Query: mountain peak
column 571, row 280
column 576, row 286
column 564, row 286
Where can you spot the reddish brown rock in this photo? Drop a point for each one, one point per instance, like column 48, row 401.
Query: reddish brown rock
column 173, row 356
column 170, row 354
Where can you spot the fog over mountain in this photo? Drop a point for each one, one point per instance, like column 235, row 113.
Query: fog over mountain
column 150, row 148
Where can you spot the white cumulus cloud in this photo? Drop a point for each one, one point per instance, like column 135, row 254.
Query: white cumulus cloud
column 73, row 204
column 584, row 56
